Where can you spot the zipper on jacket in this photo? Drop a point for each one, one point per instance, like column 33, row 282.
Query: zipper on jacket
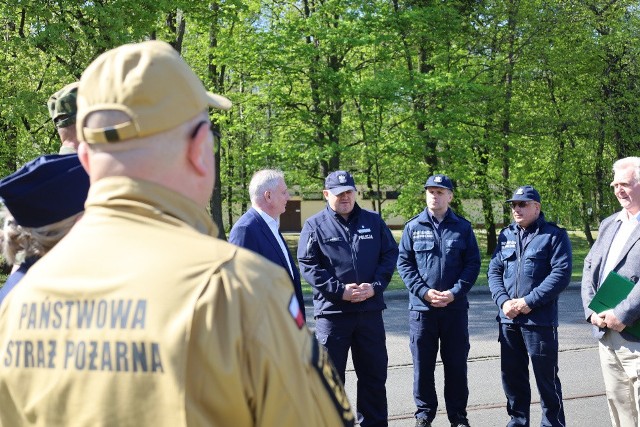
column 354, row 259
column 520, row 251
column 518, row 260
column 439, row 240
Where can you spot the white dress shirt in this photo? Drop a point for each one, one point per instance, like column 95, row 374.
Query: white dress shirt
column 274, row 226
column 621, row 237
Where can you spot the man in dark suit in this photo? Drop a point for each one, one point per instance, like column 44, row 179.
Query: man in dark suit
column 257, row 229
column 618, row 249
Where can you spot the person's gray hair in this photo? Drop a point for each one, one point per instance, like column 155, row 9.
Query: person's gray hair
column 264, row 180
column 14, row 239
column 626, row 162
column 20, row 243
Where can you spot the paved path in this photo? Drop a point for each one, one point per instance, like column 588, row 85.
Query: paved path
column 583, row 389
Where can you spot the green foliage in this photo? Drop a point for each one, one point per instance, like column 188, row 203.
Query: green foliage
column 495, row 94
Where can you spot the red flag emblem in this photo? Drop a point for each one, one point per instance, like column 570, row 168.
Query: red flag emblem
column 296, row 313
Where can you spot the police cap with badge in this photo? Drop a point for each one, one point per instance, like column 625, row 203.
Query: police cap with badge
column 339, row 181
column 439, row 180
column 526, row 193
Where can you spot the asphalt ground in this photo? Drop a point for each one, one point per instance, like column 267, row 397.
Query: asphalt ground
column 580, row 375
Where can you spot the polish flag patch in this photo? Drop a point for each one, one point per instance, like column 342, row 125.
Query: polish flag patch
column 296, row 313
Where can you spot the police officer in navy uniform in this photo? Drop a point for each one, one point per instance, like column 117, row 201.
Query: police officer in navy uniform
column 529, row 268
column 348, row 255
column 439, row 262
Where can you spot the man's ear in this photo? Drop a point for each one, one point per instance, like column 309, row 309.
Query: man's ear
column 325, row 193
column 83, row 156
column 198, row 150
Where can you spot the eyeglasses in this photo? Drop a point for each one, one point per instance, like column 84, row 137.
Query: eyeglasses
column 216, row 134
column 518, row 205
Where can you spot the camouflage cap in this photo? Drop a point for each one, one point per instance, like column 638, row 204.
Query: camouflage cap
column 62, row 106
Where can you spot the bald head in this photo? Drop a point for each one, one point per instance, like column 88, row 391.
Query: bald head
column 173, row 158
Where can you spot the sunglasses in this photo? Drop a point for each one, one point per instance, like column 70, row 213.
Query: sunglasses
column 518, row 205
column 216, row 134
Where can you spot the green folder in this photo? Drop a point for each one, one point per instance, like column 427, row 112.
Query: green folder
column 614, row 289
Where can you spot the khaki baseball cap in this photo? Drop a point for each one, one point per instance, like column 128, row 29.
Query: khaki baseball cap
column 148, row 81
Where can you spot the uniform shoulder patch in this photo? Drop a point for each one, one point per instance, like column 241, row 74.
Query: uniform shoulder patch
column 553, row 224
column 295, row 311
column 332, row 382
column 411, row 219
column 463, row 219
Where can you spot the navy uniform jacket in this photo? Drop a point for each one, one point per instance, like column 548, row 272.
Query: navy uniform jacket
column 333, row 252
column 16, row 277
column 627, row 265
column 448, row 259
column 253, row 233
column 538, row 272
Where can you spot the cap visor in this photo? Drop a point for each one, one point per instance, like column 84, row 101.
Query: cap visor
column 337, row 190
column 218, row 101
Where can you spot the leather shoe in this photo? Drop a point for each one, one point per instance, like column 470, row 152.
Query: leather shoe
column 422, row 422
column 461, row 424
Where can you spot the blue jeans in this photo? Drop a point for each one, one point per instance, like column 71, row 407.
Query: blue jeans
column 363, row 332
column 518, row 343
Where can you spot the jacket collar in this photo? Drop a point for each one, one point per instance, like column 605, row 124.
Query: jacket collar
column 354, row 213
column 149, row 199
column 533, row 227
column 450, row 216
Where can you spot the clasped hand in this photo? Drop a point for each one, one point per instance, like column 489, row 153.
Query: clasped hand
column 513, row 307
column 357, row 293
column 607, row 319
column 438, row 298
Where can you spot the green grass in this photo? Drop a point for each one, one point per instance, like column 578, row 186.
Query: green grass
column 578, row 243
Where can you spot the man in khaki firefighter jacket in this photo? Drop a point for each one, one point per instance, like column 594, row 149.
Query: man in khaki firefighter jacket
column 139, row 317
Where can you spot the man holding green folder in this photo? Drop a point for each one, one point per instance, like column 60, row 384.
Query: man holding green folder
column 617, row 250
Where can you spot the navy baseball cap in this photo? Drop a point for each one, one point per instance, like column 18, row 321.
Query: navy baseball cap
column 46, row 190
column 439, row 180
column 525, row 193
column 339, row 181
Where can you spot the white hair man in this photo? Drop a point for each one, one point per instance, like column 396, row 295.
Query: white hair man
column 617, row 249
column 258, row 228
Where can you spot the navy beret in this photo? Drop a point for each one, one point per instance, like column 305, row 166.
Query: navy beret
column 46, row 190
